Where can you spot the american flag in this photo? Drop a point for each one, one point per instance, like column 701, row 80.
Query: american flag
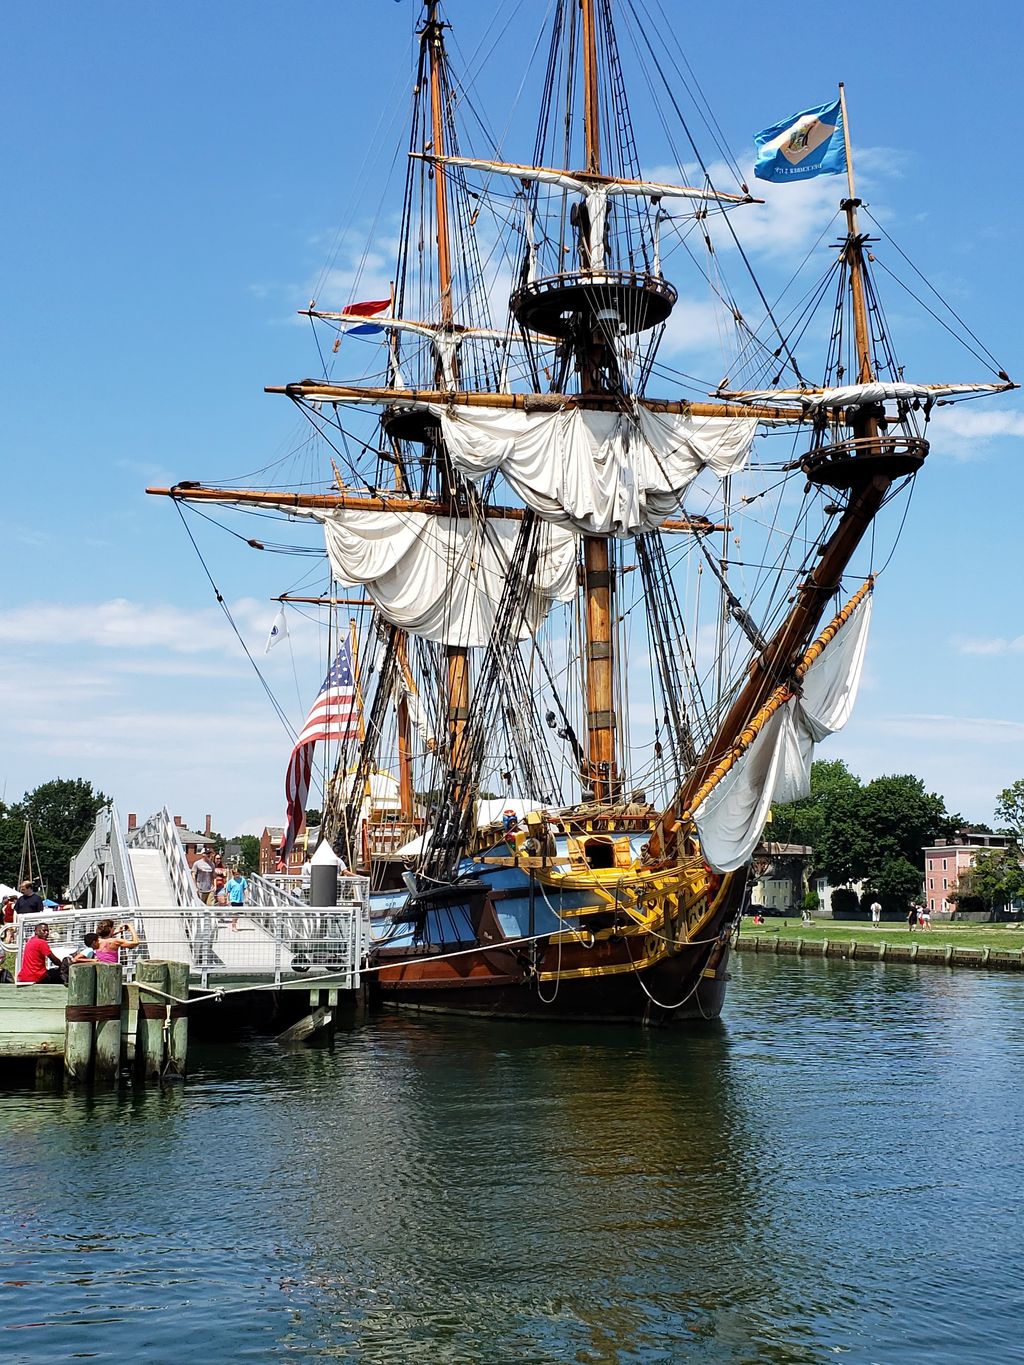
column 334, row 715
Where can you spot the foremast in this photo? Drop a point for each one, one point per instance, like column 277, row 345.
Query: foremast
column 456, row 656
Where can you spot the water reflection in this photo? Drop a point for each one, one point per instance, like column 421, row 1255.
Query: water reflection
column 823, row 1172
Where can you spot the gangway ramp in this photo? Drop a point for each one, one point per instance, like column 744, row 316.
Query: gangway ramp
column 152, row 881
column 166, row 937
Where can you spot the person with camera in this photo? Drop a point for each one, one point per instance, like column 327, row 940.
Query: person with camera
column 108, row 948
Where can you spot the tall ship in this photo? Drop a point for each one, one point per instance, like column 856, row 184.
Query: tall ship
column 601, row 609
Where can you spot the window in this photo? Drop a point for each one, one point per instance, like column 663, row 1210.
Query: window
column 945, row 883
column 931, row 883
column 943, row 864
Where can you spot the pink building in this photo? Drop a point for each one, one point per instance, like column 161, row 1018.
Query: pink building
column 943, row 864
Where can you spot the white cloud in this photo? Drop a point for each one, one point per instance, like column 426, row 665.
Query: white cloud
column 119, row 624
column 945, row 729
column 964, row 432
column 993, row 644
column 116, row 624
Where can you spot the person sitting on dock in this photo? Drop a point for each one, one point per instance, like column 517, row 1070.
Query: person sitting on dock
column 108, row 949
column 37, row 954
column 87, row 951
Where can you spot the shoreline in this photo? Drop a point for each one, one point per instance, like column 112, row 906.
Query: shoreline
column 868, row 943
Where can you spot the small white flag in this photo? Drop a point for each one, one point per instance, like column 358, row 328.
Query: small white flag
column 277, row 631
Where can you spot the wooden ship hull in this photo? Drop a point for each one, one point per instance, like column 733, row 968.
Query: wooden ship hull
column 661, row 961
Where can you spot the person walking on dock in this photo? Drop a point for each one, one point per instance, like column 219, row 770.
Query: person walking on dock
column 912, row 918
column 236, row 888
column 37, row 954
column 202, row 873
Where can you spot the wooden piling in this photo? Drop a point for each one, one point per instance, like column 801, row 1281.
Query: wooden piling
column 177, row 1039
column 80, row 1016
column 149, row 1040
column 107, row 1045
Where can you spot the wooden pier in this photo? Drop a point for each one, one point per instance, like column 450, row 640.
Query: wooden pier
column 100, row 1028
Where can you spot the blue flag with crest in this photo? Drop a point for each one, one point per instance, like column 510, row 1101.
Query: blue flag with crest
column 806, row 144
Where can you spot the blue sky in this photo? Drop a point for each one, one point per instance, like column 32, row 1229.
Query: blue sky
column 175, row 179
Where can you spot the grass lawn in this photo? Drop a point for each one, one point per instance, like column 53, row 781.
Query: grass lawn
column 849, row 931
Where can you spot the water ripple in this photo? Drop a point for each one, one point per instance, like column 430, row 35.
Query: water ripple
column 824, row 1174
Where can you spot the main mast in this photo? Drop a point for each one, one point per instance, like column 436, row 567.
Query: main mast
column 598, row 572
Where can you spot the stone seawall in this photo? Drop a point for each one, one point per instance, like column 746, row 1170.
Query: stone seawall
column 941, row 955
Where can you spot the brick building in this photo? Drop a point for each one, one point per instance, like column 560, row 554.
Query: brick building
column 943, row 864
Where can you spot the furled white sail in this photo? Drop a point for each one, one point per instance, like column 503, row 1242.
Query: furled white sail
column 596, row 191
column 859, row 395
column 603, row 473
column 442, row 578
column 777, row 766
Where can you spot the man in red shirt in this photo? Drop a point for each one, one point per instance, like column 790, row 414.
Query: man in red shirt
column 35, row 957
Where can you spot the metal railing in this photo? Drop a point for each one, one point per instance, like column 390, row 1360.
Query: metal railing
column 102, row 863
column 161, row 832
column 124, row 875
column 277, row 888
column 267, row 943
column 85, row 863
column 281, row 888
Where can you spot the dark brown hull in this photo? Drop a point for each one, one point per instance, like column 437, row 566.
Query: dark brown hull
column 501, row 983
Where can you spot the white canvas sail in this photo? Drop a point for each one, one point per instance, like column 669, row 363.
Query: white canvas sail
column 441, row 578
column 602, row 473
column 777, row 766
column 861, row 395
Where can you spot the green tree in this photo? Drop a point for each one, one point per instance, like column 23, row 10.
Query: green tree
column 805, row 821
column 313, row 818
column 1010, row 809
column 249, row 858
column 62, row 813
column 995, row 880
column 888, row 821
column 897, row 883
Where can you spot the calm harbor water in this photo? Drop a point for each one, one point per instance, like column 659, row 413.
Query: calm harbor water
column 830, row 1171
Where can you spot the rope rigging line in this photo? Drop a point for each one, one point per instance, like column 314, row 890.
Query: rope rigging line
column 928, row 284
column 790, row 358
column 278, row 709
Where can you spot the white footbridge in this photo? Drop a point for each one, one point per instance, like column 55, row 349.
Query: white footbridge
column 143, row 879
